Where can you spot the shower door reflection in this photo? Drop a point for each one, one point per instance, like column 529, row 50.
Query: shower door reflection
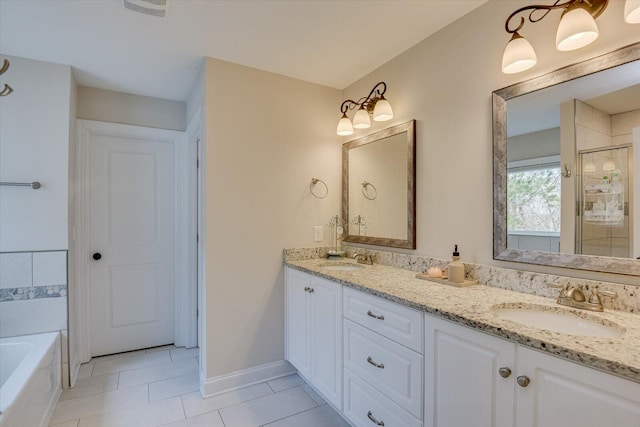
column 605, row 220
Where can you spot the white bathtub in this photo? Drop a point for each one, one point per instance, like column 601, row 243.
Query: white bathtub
column 30, row 379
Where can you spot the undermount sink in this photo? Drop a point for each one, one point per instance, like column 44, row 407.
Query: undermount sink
column 341, row 266
column 558, row 320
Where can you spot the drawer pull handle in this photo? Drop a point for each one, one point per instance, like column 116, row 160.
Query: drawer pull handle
column 373, row 419
column 523, row 381
column 375, row 316
column 504, row 372
column 372, row 362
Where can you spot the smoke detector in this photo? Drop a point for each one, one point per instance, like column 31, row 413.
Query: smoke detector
column 148, row 7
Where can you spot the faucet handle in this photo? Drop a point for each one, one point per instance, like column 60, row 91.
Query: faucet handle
column 595, row 296
column 563, row 288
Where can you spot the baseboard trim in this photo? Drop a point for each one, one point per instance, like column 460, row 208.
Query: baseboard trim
column 245, row 377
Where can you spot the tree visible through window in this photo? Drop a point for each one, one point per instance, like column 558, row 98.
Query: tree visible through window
column 533, row 199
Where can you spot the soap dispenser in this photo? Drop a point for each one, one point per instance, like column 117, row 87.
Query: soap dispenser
column 456, row 268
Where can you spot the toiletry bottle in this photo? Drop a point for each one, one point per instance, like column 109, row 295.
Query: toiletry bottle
column 456, row 268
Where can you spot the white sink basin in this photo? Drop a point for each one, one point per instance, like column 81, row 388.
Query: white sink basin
column 341, row 266
column 559, row 320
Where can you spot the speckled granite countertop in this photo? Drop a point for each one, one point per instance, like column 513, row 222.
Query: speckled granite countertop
column 474, row 307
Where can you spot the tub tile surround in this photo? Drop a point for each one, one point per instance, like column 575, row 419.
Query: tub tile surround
column 393, row 278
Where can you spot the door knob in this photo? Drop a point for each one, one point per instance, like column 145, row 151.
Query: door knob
column 97, row 256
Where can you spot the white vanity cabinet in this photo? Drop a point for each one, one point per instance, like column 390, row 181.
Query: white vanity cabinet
column 463, row 386
column 474, row 379
column 383, row 363
column 313, row 308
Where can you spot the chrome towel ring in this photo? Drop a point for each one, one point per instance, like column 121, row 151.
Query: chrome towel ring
column 365, row 192
column 314, row 181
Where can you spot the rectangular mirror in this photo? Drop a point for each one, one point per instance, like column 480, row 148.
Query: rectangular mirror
column 378, row 188
column 565, row 145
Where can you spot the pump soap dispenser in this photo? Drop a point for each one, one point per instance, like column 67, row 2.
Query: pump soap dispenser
column 456, row 268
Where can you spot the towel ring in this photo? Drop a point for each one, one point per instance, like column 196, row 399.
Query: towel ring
column 366, row 184
column 314, row 181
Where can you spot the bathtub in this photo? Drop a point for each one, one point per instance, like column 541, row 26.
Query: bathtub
column 30, row 379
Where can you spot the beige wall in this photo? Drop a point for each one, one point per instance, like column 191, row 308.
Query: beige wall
column 266, row 136
column 532, row 145
column 445, row 83
column 117, row 107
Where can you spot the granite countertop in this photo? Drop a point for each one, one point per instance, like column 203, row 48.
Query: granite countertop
column 474, row 307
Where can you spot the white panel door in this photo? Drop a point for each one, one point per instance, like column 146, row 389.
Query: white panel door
column 463, row 384
column 563, row 394
column 131, row 181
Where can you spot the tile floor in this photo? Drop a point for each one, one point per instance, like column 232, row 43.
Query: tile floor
column 159, row 387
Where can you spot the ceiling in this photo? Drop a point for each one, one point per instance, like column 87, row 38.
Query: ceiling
column 329, row 42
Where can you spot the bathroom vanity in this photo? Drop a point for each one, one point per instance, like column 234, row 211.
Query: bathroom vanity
column 386, row 348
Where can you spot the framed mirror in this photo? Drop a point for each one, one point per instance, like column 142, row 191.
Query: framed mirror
column 378, row 188
column 566, row 166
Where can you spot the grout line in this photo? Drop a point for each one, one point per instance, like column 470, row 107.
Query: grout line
column 269, row 385
column 288, row 416
column 184, row 412
column 310, row 397
column 221, row 419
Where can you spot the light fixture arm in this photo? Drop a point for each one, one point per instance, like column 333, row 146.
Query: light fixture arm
column 366, row 102
column 594, row 7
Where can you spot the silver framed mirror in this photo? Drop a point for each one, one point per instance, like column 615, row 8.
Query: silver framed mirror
column 378, row 188
column 588, row 197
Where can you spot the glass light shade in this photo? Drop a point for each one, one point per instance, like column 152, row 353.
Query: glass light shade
column 577, row 29
column 344, row 126
column 382, row 111
column 589, row 167
column 608, row 166
column 518, row 55
column 632, row 12
column 361, row 119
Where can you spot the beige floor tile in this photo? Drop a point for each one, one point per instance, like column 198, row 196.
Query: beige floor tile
column 267, row 409
column 135, row 361
column 87, row 406
column 91, row 385
column 158, row 372
column 194, row 404
column 143, row 415
column 174, row 386
column 210, row 419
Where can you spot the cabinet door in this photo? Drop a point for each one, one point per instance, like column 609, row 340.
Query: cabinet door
column 563, row 393
column 297, row 319
column 326, row 339
column 463, row 386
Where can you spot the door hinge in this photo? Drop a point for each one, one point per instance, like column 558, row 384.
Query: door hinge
column 197, row 237
column 197, row 163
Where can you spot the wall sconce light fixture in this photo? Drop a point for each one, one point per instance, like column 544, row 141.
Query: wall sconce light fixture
column 374, row 104
column 7, row 89
column 577, row 29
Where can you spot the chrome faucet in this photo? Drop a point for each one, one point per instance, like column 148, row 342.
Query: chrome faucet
column 364, row 258
column 573, row 296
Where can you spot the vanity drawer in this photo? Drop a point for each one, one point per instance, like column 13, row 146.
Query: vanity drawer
column 394, row 321
column 364, row 405
column 394, row 370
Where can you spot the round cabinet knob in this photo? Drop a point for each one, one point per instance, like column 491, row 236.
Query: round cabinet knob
column 97, row 256
column 523, row 380
column 504, row 372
